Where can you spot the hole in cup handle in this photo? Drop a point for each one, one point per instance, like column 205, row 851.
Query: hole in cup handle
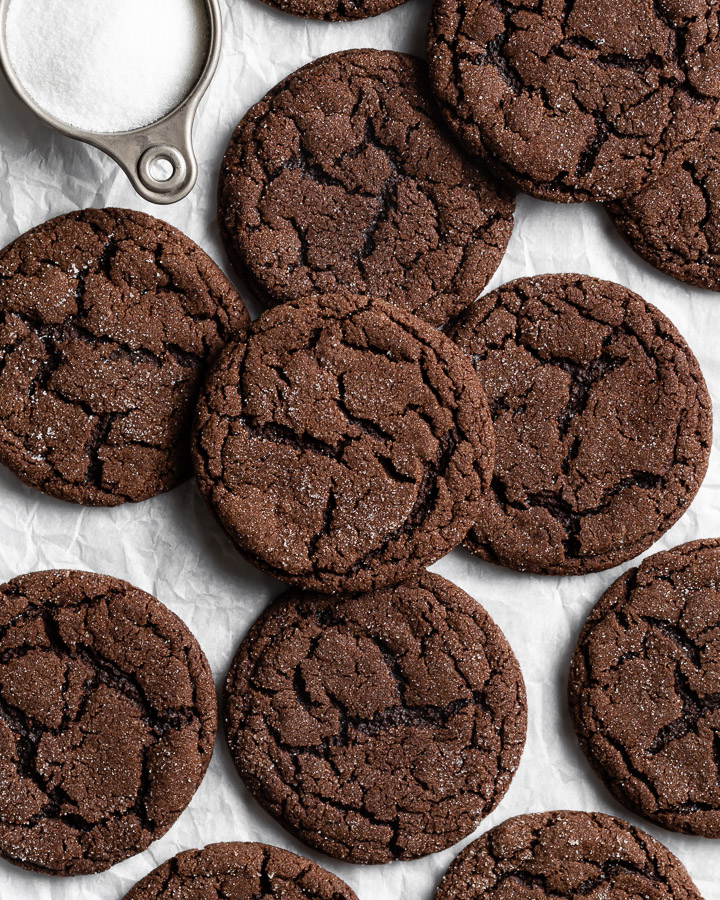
column 163, row 170
column 164, row 173
column 159, row 162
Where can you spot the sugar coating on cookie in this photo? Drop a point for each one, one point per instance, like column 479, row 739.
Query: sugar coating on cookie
column 574, row 99
column 379, row 726
column 107, row 721
column 603, row 423
column 108, row 319
column 644, row 688
column 343, row 444
column 345, row 178
column 334, row 10
column 240, row 870
column 674, row 223
column 566, row 854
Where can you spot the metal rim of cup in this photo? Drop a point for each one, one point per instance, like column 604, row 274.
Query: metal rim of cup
column 167, row 140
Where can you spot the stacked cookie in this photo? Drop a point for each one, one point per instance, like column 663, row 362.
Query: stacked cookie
column 578, row 101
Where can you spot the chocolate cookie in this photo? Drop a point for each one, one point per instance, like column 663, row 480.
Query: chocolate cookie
column 240, row 871
column 566, row 855
column 675, row 222
column 603, row 423
column 334, row 10
column 344, row 444
column 574, row 99
column 108, row 319
column 107, row 721
column 344, row 178
column 645, row 688
column 378, row 726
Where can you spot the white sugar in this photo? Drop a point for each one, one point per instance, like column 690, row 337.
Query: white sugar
column 107, row 65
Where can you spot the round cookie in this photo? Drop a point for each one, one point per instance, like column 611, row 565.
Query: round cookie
column 344, row 178
column 603, row 423
column 108, row 319
column 107, row 721
column 575, row 100
column 240, row 871
column 344, row 444
column 674, row 223
column 645, row 688
column 334, row 10
column 379, row 726
column 566, row 855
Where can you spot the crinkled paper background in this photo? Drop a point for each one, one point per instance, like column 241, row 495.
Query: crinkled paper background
column 171, row 546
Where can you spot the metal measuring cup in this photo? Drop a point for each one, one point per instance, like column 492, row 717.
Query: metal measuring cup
column 167, row 140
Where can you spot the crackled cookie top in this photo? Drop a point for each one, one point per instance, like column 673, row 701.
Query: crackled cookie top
column 603, row 423
column 575, row 99
column 334, row 10
column 379, row 726
column 675, row 222
column 344, row 444
column 107, row 721
column 108, row 319
column 565, row 855
column 645, row 688
column 242, row 871
column 343, row 177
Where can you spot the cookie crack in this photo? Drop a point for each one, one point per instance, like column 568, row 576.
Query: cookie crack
column 97, row 440
column 606, row 873
column 700, row 184
column 583, row 376
column 563, row 512
column 669, row 70
column 27, row 732
column 387, row 203
column 326, row 525
column 694, row 708
column 426, row 498
column 53, row 336
column 403, row 715
column 632, row 769
column 610, row 870
column 588, row 158
column 678, row 636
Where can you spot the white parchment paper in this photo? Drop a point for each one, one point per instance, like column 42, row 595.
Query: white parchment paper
column 171, row 546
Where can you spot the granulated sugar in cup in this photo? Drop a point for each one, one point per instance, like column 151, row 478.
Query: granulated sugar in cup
column 123, row 75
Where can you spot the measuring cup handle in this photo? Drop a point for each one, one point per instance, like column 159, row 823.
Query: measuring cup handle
column 181, row 180
column 170, row 143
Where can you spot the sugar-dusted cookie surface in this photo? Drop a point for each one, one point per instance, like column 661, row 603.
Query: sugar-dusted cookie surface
column 644, row 688
column 566, row 854
column 107, row 721
column 379, row 726
column 573, row 99
column 603, row 423
column 344, row 177
column 239, row 870
column 343, row 444
column 108, row 320
column 674, row 223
